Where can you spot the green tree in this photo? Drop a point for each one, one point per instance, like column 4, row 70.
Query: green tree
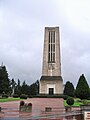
column 34, row 88
column 82, row 88
column 24, row 88
column 18, row 88
column 4, row 81
column 69, row 89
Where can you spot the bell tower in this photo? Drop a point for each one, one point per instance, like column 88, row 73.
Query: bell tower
column 51, row 81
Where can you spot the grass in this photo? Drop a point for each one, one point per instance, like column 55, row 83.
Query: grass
column 9, row 99
column 77, row 102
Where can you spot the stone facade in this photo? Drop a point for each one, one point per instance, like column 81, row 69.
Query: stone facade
column 51, row 79
column 45, row 69
column 46, row 84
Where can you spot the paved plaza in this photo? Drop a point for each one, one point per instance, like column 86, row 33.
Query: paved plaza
column 11, row 109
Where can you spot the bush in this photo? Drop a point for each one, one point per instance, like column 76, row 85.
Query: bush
column 30, row 96
column 65, row 97
column 70, row 101
column 23, row 96
column 79, row 100
column 22, row 103
column 4, row 96
column 52, row 96
column 88, row 98
column 15, row 96
column 29, row 104
column 84, row 102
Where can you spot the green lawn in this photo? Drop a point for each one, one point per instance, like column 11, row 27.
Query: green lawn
column 77, row 102
column 9, row 99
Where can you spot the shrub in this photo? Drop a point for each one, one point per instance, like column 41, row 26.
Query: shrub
column 22, row 103
column 29, row 104
column 88, row 98
column 15, row 96
column 79, row 100
column 30, row 96
column 23, row 96
column 65, row 97
column 52, row 96
column 4, row 96
column 70, row 101
column 84, row 102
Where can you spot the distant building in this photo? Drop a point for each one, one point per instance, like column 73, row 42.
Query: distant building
column 51, row 80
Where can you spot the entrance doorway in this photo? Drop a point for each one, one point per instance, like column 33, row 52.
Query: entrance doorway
column 51, row 91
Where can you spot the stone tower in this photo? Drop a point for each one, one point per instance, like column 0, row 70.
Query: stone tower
column 51, row 81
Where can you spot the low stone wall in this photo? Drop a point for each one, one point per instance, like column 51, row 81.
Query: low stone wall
column 85, row 107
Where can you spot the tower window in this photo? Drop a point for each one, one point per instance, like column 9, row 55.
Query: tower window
column 51, row 47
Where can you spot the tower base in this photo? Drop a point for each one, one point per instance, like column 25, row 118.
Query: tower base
column 51, row 85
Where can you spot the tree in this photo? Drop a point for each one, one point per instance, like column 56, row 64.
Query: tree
column 18, row 88
column 82, row 88
column 4, row 81
column 29, row 90
column 69, row 89
column 34, row 88
column 24, row 88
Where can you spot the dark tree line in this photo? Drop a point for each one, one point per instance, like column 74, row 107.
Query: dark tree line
column 29, row 90
column 82, row 90
column 10, row 87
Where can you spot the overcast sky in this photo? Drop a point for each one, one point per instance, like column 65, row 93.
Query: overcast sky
column 22, row 25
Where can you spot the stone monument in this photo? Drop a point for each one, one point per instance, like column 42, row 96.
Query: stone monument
column 51, row 80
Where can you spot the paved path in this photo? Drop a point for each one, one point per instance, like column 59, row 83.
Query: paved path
column 11, row 109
